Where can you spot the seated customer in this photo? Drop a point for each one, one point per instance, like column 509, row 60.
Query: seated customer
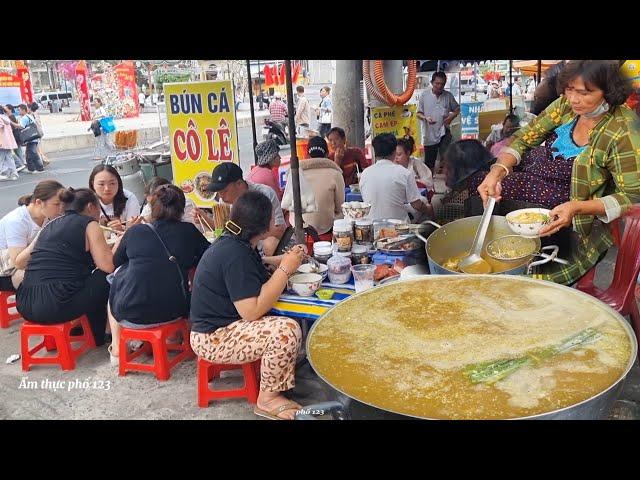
column 19, row 228
column 268, row 157
column 403, row 157
column 227, row 182
column 349, row 159
column 325, row 179
column 117, row 205
column 137, row 299
column 389, row 187
column 66, row 276
column 500, row 138
column 232, row 295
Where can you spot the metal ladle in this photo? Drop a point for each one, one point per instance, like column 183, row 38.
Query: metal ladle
column 474, row 263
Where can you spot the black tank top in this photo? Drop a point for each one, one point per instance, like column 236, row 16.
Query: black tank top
column 59, row 254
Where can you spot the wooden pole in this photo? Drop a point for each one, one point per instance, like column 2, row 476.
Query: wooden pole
column 294, row 165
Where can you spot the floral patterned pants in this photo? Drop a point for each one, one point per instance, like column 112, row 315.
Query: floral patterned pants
column 275, row 340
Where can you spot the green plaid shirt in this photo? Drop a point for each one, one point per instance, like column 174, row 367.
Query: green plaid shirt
column 607, row 169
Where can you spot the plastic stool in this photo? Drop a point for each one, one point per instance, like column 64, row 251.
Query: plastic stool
column 207, row 371
column 56, row 337
column 7, row 302
column 157, row 344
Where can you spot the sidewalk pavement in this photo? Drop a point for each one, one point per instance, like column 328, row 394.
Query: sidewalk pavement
column 65, row 131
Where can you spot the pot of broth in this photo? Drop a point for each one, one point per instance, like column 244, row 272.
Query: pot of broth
column 471, row 347
column 447, row 245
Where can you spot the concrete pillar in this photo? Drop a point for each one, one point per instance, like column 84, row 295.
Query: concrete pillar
column 393, row 78
column 348, row 110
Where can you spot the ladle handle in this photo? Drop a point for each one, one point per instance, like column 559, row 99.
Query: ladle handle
column 481, row 234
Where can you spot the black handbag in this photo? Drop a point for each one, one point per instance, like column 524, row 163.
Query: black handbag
column 30, row 133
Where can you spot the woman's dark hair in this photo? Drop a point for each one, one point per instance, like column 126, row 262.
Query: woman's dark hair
column 154, row 183
column 34, row 106
column 602, row 74
column 463, row 159
column 407, row 144
column 252, row 213
column 120, row 200
column 22, row 106
column 337, row 130
column 78, row 199
column 167, row 203
column 384, row 145
column 45, row 190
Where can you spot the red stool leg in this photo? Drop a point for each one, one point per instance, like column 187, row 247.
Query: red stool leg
column 122, row 371
column 49, row 343
column 251, row 384
column 204, row 373
column 65, row 354
column 24, row 348
column 161, row 357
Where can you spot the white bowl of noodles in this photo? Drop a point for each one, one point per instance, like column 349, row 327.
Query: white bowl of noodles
column 528, row 221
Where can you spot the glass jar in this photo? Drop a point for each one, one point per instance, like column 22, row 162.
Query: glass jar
column 360, row 254
column 322, row 251
column 339, row 269
column 363, row 232
column 343, row 235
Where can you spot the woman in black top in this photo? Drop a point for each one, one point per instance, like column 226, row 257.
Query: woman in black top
column 148, row 288
column 232, row 293
column 65, row 277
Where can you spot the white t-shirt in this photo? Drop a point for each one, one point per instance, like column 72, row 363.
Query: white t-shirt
column 17, row 229
column 388, row 187
column 131, row 208
column 99, row 113
column 271, row 195
column 141, row 98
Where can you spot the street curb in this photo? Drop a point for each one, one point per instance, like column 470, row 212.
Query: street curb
column 145, row 136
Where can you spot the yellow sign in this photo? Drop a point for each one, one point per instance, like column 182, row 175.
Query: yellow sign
column 202, row 132
column 401, row 121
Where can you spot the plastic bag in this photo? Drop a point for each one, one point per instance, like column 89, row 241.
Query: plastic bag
column 107, row 124
column 307, row 197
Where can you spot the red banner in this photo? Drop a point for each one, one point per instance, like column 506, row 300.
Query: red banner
column 26, row 89
column 128, row 89
column 83, row 91
column 8, row 80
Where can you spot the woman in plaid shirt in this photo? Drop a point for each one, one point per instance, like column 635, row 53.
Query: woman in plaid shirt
column 588, row 172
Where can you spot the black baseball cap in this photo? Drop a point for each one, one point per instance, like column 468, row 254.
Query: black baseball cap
column 223, row 175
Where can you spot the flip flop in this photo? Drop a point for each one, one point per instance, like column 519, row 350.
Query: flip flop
column 273, row 414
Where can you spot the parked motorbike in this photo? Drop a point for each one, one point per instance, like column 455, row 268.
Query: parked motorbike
column 275, row 131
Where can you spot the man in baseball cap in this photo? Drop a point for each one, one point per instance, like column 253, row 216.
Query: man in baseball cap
column 227, row 182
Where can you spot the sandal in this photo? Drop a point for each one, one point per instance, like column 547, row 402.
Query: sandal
column 115, row 361
column 273, row 414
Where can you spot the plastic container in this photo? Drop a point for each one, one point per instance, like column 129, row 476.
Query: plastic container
column 343, row 235
column 322, row 251
column 360, row 255
column 363, row 232
column 339, row 269
column 363, row 277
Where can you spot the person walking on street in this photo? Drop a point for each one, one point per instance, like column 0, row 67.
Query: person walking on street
column 7, row 146
column 324, row 112
column 303, row 112
column 141, row 98
column 437, row 108
column 102, row 146
column 15, row 127
column 278, row 110
column 34, row 162
column 33, row 109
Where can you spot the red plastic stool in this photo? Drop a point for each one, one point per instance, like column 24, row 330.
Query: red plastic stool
column 6, row 303
column 56, row 337
column 207, row 371
column 157, row 344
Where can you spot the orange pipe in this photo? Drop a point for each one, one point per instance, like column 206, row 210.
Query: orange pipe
column 390, row 97
column 370, row 87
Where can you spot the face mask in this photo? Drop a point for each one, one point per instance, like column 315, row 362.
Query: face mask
column 600, row 109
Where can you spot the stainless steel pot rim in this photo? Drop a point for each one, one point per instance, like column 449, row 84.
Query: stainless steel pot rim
column 625, row 325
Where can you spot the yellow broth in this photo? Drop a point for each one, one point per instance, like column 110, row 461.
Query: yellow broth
column 403, row 347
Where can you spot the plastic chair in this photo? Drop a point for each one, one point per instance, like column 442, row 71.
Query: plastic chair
column 56, row 337
column 207, row 371
column 620, row 295
column 157, row 344
column 8, row 301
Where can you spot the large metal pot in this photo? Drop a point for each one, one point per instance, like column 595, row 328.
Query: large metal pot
column 457, row 237
column 341, row 406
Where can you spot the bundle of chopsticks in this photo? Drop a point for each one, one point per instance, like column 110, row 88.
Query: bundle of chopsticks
column 221, row 213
